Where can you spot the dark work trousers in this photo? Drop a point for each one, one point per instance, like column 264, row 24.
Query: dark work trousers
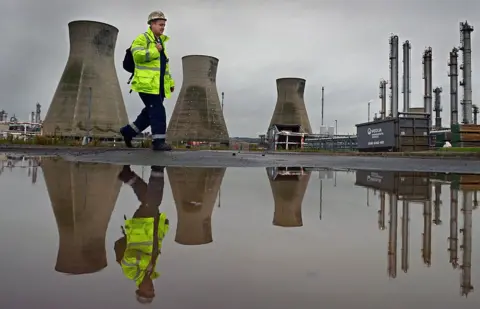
column 153, row 114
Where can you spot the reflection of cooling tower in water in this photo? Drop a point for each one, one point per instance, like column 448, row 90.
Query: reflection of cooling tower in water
column 83, row 197
column 288, row 191
column 195, row 191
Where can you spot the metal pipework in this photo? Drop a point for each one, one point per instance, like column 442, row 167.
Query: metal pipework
column 427, row 77
column 394, row 76
column 453, row 74
column 406, row 76
column 383, row 99
column 466, row 48
column 438, row 107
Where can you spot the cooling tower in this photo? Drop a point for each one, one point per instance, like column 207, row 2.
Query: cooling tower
column 195, row 191
column 290, row 108
column 198, row 114
column 74, row 110
column 288, row 190
column 83, row 197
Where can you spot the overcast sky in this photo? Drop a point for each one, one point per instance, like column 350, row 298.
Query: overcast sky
column 341, row 44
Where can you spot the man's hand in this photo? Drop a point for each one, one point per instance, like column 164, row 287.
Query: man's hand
column 159, row 47
column 172, row 89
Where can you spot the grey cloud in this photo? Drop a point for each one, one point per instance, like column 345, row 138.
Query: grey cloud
column 342, row 45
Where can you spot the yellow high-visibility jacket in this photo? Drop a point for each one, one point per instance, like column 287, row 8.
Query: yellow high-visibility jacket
column 138, row 254
column 146, row 78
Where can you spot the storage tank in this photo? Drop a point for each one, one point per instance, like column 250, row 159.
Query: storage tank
column 331, row 131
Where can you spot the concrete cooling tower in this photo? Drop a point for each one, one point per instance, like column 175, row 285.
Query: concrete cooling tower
column 90, row 64
column 195, row 191
column 290, row 108
column 83, row 197
column 198, row 115
column 288, row 189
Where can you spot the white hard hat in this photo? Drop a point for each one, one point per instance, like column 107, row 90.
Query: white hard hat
column 156, row 15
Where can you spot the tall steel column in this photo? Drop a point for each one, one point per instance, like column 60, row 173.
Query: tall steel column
column 438, row 107
column 427, row 77
column 453, row 74
column 406, row 76
column 466, row 48
column 394, row 75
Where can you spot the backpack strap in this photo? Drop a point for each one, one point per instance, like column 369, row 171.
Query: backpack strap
column 147, row 38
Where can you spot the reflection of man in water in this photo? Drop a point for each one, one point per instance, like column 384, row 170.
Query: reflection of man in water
column 137, row 251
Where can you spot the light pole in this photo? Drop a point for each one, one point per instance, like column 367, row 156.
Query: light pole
column 336, row 127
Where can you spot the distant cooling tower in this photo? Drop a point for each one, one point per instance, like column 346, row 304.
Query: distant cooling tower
column 290, row 108
column 288, row 192
column 195, row 191
column 90, row 64
column 198, row 114
column 83, row 197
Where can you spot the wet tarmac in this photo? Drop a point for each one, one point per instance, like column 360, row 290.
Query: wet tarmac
column 259, row 237
column 254, row 159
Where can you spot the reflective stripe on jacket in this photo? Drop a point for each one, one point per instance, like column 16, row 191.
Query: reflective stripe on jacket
column 138, row 254
column 146, row 78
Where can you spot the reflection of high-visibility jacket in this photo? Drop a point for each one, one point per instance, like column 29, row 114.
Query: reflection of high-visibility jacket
column 147, row 58
column 138, row 254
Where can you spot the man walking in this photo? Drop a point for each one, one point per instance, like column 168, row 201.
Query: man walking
column 152, row 81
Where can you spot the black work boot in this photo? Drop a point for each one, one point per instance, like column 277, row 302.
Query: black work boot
column 156, row 168
column 160, row 145
column 127, row 136
column 126, row 174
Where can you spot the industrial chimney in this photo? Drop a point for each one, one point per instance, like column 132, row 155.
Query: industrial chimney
column 466, row 48
column 394, row 75
column 453, row 74
column 383, row 99
column 198, row 114
column 90, row 64
column 427, row 77
column 38, row 113
column 406, row 76
column 438, row 107
column 290, row 107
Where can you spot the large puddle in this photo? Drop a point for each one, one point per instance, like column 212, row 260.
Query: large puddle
column 239, row 237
